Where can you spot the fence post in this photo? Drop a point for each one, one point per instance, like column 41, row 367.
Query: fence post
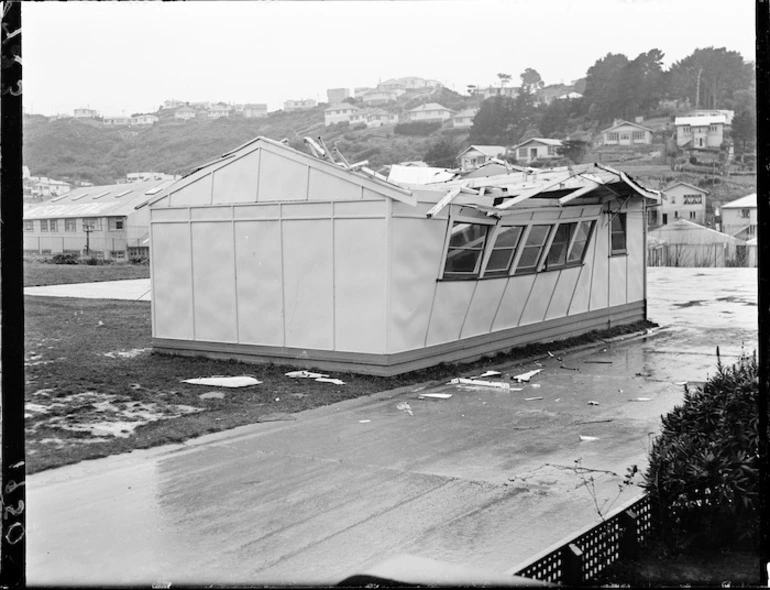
column 572, row 565
column 629, row 539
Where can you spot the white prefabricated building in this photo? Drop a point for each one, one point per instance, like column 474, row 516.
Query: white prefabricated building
column 269, row 254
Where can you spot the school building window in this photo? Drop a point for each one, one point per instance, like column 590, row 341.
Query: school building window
column 116, row 223
column 557, row 253
column 70, row 225
column 618, row 234
column 580, row 243
column 466, row 245
column 43, row 225
column 533, row 248
column 52, row 225
column 29, row 225
column 504, row 250
column 94, row 223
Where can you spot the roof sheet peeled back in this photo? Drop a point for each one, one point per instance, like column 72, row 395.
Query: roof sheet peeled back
column 500, row 193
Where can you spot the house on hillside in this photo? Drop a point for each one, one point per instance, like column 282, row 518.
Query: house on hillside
column 298, row 105
column 373, row 118
column 100, row 221
column 536, row 148
column 339, row 113
column 217, row 111
column 700, row 132
column 184, row 113
column 145, row 120
column 42, row 187
column 172, row 104
column 569, row 96
column 431, row 112
column 464, row 119
column 681, row 200
column 684, row 243
column 377, row 96
column 255, row 111
column 118, row 121
column 252, row 259
column 739, row 217
column 492, row 91
column 627, row 133
column 86, row 114
column 476, row 155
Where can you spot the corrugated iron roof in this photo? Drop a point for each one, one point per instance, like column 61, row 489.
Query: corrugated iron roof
column 114, row 200
column 487, row 150
column 543, row 140
column 624, row 122
column 700, row 121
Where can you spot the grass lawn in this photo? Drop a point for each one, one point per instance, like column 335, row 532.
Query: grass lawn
column 40, row 273
column 94, row 387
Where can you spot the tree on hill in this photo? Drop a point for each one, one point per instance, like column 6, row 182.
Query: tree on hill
column 602, row 83
column 555, row 118
column 744, row 132
column 531, row 80
column 710, row 76
column 574, row 149
column 641, row 85
column 442, row 153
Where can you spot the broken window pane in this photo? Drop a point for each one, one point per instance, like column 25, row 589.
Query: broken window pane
column 504, row 251
column 533, row 248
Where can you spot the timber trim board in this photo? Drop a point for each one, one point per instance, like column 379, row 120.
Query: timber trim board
column 464, row 350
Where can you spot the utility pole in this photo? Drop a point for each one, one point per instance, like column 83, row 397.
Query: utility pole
column 697, row 88
column 13, row 535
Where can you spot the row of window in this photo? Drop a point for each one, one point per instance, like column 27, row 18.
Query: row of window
column 551, row 151
column 482, row 251
column 617, row 136
column 687, row 129
column 70, row 225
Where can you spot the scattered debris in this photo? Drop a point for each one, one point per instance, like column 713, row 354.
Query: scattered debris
column 588, row 438
column 593, row 403
column 304, row 375
column 212, row 395
column 550, row 354
column 569, row 368
column 480, row 383
column 419, row 388
column 405, row 407
column 595, row 421
column 101, row 323
column 558, row 399
column 219, row 381
column 526, row 376
column 681, row 383
column 532, row 399
column 326, row 380
column 598, row 362
column 126, row 354
column 364, row 421
column 489, row 374
column 435, row 395
column 278, row 399
column 134, row 386
column 641, row 399
column 298, row 395
column 535, row 385
column 620, row 391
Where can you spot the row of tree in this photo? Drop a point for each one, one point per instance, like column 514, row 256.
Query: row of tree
column 619, row 87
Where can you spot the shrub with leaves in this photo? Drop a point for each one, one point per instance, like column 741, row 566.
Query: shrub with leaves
column 66, row 258
column 703, row 472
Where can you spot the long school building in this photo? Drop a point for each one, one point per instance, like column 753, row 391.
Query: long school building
column 271, row 254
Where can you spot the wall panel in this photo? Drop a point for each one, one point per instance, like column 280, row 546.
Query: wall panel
column 196, row 193
column 236, row 182
column 545, row 282
column 414, row 267
column 600, row 277
column 325, row 187
column 214, row 281
column 618, row 279
column 512, row 304
column 562, row 293
column 482, row 309
column 581, row 296
column 171, row 281
column 281, row 179
column 308, row 277
column 636, row 242
column 450, row 307
column 359, row 284
column 259, row 282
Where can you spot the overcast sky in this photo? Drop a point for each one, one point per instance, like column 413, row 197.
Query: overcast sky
column 122, row 58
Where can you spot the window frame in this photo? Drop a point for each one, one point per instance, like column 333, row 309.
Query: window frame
column 53, row 226
column 544, row 246
column 458, row 276
column 70, row 225
column 617, row 251
column 44, row 225
column 29, row 225
column 491, row 248
column 112, row 223
column 97, row 223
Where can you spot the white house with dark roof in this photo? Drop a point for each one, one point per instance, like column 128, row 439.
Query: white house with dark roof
column 339, row 113
column 101, row 219
column 430, row 112
column 627, row 133
column 184, row 113
column 464, row 119
column 373, row 117
column 700, row 132
column 536, row 148
column 477, row 155
column 144, row 120
column 217, row 111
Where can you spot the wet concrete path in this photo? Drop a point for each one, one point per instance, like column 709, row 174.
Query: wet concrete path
column 484, row 478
